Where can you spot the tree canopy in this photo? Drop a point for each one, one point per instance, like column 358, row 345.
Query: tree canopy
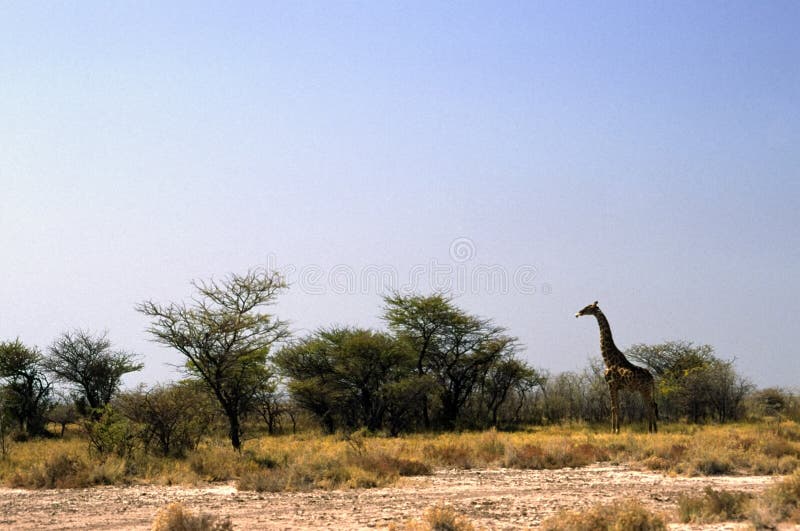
column 224, row 336
column 88, row 364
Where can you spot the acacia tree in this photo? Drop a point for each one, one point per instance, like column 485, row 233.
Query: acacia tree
column 90, row 366
column 454, row 348
column 692, row 381
column 505, row 376
column 344, row 376
column 418, row 321
column 224, row 336
column 270, row 402
column 26, row 390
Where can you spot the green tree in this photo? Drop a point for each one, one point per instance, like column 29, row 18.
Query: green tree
column 345, row 376
column 63, row 412
column 224, row 336
column 27, row 390
column 692, row 381
column 507, row 375
column 271, row 403
column 452, row 347
column 90, row 366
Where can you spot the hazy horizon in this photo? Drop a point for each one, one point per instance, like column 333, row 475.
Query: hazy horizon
column 532, row 157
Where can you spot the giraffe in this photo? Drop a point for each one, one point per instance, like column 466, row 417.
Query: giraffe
column 621, row 373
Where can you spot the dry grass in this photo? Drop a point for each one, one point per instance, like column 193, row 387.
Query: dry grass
column 626, row 516
column 174, row 517
column 714, row 506
column 311, row 460
column 437, row 518
column 781, row 503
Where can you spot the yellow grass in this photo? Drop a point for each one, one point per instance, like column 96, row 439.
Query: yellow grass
column 312, row 460
column 622, row 516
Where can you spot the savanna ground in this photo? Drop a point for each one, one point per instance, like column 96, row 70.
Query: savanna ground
column 493, row 480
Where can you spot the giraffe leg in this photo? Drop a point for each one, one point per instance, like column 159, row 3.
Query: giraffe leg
column 654, row 413
column 652, row 410
column 614, row 410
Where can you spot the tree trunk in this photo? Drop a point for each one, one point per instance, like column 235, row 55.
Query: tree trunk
column 234, row 431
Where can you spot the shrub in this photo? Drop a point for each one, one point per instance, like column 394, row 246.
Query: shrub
column 386, row 465
column 437, row 518
column 271, row 480
column 174, row 517
column 443, row 518
column 455, row 455
column 215, row 463
column 779, row 503
column 627, row 516
column 171, row 419
column 67, row 471
column 713, row 506
column 709, row 466
column 110, row 433
column 554, row 456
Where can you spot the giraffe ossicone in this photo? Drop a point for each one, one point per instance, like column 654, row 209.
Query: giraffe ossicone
column 621, row 373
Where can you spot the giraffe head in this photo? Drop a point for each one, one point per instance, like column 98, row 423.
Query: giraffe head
column 592, row 309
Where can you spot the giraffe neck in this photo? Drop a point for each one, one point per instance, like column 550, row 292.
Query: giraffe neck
column 611, row 354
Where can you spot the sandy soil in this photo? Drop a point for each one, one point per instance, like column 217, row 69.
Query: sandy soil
column 493, row 499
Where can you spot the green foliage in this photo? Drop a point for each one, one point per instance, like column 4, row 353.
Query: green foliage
column 692, row 382
column 348, row 377
column 110, row 433
column 271, row 403
column 63, row 412
column 89, row 365
column 26, row 393
column 453, row 348
column 224, row 337
column 773, row 402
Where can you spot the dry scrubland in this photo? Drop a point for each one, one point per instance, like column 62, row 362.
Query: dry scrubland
column 313, row 462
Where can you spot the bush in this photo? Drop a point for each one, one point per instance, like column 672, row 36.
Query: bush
column 554, row 456
column 318, row 470
column 67, row 471
column 455, row 455
column 216, row 463
column 713, row 506
column 271, row 480
column 386, row 465
column 709, row 466
column 779, row 503
column 171, row 419
column 174, row 517
column 110, row 433
column 627, row 516
column 438, row 518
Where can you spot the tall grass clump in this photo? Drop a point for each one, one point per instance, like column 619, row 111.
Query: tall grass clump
column 624, row 516
column 553, row 455
column 437, row 518
column 328, row 463
column 780, row 503
column 713, row 506
column 175, row 517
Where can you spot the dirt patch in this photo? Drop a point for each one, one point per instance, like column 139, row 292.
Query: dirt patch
column 491, row 498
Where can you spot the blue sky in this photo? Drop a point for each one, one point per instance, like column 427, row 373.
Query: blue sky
column 642, row 154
